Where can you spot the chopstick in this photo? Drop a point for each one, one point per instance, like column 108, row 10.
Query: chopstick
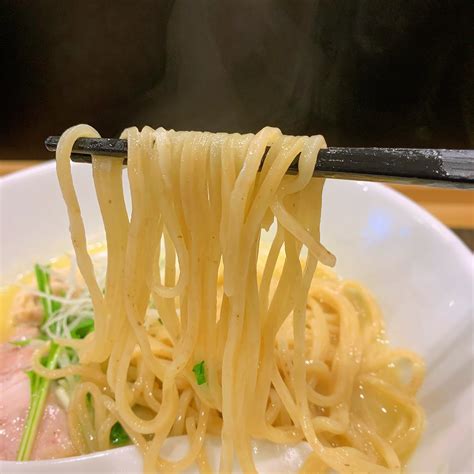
column 435, row 167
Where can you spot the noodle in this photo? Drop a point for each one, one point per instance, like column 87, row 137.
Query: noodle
column 289, row 351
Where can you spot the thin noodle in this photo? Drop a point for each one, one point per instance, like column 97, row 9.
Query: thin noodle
column 287, row 355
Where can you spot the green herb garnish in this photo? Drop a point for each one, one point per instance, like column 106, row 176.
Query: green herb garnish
column 118, row 436
column 199, row 372
column 89, row 401
column 83, row 329
column 39, row 386
column 21, row 342
column 42, row 279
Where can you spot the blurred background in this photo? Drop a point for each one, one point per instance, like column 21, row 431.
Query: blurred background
column 362, row 72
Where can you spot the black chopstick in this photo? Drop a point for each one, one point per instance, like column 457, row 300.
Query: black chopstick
column 436, row 167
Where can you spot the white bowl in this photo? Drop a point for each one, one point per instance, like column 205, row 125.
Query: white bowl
column 420, row 272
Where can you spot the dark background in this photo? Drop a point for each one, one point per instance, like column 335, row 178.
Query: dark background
column 362, row 72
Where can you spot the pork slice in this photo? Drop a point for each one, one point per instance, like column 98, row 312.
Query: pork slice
column 14, row 358
column 52, row 440
column 14, row 401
